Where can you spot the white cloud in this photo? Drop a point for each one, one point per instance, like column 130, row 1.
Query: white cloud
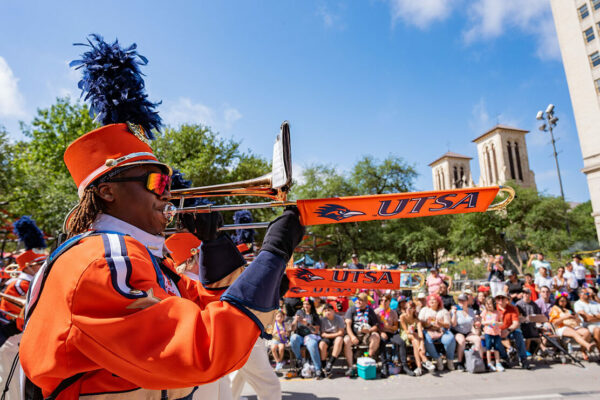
column 184, row 110
column 298, row 174
column 486, row 19
column 231, row 115
column 330, row 18
column 11, row 100
column 421, row 13
column 481, row 121
column 489, row 19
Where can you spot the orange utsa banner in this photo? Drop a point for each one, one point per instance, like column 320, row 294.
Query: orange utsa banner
column 297, row 291
column 353, row 278
column 398, row 205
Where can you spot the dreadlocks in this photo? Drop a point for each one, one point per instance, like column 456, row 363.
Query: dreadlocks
column 86, row 211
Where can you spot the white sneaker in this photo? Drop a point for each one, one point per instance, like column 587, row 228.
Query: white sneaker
column 491, row 367
column 419, row 371
column 450, row 365
column 499, row 367
column 279, row 366
column 429, row 366
column 439, row 364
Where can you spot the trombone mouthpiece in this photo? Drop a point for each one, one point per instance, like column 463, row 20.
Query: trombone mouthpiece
column 169, row 212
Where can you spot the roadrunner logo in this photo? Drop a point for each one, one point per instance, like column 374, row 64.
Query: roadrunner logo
column 336, row 212
column 296, row 289
column 306, row 275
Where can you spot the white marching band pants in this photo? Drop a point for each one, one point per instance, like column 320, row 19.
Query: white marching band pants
column 257, row 371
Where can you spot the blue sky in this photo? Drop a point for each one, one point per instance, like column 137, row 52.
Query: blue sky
column 379, row 77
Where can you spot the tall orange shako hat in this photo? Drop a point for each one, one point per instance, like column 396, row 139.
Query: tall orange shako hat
column 112, row 83
column 182, row 246
column 33, row 240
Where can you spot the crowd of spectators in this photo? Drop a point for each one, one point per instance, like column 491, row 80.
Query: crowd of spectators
column 505, row 322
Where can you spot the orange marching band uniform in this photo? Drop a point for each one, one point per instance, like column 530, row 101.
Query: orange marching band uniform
column 107, row 315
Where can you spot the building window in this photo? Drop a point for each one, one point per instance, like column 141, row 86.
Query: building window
column 595, row 58
column 518, row 156
column 597, row 84
column 589, row 34
column 596, row 4
column 583, row 11
column 511, row 162
column 456, row 177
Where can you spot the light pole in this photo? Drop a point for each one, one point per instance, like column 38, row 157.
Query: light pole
column 550, row 122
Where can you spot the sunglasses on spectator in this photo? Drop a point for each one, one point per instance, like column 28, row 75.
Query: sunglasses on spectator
column 155, row 182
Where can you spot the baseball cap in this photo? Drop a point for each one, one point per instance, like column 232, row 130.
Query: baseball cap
column 462, row 297
column 500, row 295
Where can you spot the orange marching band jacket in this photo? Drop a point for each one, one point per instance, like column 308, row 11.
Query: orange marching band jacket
column 126, row 326
column 16, row 287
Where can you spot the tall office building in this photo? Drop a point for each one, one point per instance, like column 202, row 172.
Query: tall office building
column 578, row 29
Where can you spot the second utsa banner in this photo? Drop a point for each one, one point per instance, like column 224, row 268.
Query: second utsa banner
column 354, row 278
column 397, row 205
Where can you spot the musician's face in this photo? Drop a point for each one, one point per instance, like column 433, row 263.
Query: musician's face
column 133, row 203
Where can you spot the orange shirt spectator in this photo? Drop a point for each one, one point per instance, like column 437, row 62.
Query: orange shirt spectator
column 509, row 315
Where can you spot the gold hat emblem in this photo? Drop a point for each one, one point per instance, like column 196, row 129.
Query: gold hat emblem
column 139, row 132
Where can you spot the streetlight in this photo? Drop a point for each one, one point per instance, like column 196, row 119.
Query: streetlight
column 547, row 126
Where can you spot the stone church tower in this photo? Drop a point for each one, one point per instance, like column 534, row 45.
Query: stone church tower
column 502, row 153
column 451, row 171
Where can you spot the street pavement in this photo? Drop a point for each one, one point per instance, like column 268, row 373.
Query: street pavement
column 545, row 382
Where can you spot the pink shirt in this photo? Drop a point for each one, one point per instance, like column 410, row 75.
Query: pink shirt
column 434, row 283
column 487, row 317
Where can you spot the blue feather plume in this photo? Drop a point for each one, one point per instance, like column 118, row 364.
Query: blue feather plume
column 113, row 83
column 243, row 235
column 28, row 232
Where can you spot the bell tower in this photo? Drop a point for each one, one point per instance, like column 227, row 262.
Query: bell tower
column 502, row 153
column 451, row 171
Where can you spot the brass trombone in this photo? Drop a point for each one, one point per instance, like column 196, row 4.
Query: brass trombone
column 18, row 301
column 274, row 185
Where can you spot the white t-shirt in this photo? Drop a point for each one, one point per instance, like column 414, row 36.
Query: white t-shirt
column 541, row 281
column 429, row 315
column 579, row 270
column 571, row 279
column 588, row 308
column 580, row 306
column 537, row 264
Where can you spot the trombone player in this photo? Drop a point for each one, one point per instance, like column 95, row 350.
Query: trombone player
column 107, row 316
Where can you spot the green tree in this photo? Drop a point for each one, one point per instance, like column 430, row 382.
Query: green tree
column 52, row 130
column 531, row 223
column 6, row 158
column 42, row 186
column 582, row 224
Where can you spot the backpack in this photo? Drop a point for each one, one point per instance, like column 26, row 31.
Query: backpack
column 473, row 362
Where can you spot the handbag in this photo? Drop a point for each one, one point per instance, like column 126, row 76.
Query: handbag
column 473, row 362
column 303, row 330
